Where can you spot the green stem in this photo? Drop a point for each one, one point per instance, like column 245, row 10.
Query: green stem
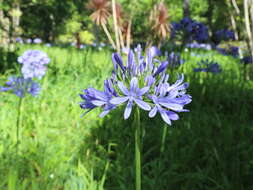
column 165, row 128
column 137, row 150
column 18, row 123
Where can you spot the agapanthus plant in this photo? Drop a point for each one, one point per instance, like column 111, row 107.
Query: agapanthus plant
column 223, row 35
column 188, row 30
column 174, row 60
column 37, row 41
column 21, row 86
column 140, row 83
column 209, row 66
column 33, row 63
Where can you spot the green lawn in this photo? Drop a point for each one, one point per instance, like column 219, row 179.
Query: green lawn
column 209, row 148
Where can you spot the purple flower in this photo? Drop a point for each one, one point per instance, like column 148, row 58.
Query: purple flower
column 28, row 41
column 169, row 99
column 208, row 66
column 134, row 95
column 94, row 98
column 223, row 35
column 247, row 60
column 33, row 63
column 174, row 60
column 190, row 30
column 19, row 40
column 21, row 86
column 140, row 81
column 37, row 41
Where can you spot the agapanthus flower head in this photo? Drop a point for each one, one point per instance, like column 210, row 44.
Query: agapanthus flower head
column 139, row 82
column 21, row 86
column 19, row 40
column 231, row 50
column 34, row 63
column 206, row 65
column 247, row 60
column 190, row 30
column 223, row 35
column 199, row 46
column 48, row 45
column 28, row 41
column 37, row 41
column 174, row 60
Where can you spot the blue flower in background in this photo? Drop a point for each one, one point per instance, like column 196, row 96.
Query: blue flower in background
column 21, row 86
column 247, row 60
column 19, row 40
column 232, row 50
column 33, row 63
column 141, row 81
column 208, row 66
column 190, row 30
column 223, row 35
column 28, row 41
column 174, row 60
column 199, row 46
column 37, row 41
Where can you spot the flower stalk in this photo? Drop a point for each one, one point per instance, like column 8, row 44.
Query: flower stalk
column 18, row 122
column 137, row 149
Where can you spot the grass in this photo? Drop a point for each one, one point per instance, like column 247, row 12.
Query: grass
column 209, row 148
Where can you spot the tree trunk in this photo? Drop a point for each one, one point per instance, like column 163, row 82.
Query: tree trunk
column 247, row 25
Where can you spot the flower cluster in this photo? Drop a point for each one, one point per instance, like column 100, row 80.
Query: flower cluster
column 33, row 62
column 223, row 35
column 174, row 60
column 139, row 82
column 33, row 66
column 247, row 60
column 190, row 30
column 232, row 50
column 20, row 85
column 208, row 66
column 199, row 46
column 19, row 40
column 37, row 41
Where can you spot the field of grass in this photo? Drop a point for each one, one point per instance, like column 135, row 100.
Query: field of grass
column 209, row 148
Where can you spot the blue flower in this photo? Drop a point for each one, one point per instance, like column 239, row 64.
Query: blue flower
column 190, row 30
column 208, row 66
column 139, row 82
column 20, row 86
column 169, row 99
column 19, row 40
column 223, row 35
column 37, row 41
column 134, row 95
column 94, row 98
column 247, row 60
column 33, row 63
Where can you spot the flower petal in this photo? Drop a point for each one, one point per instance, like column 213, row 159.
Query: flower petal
column 172, row 106
column 133, row 84
column 123, row 89
column 128, row 109
column 153, row 112
column 143, row 91
column 165, row 117
column 118, row 100
column 172, row 115
column 98, row 102
column 143, row 105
